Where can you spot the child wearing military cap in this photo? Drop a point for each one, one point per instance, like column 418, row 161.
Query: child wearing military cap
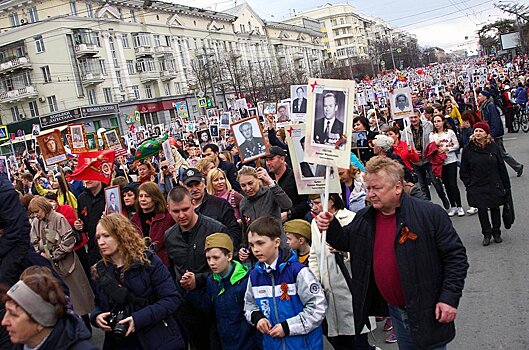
column 225, row 289
column 298, row 238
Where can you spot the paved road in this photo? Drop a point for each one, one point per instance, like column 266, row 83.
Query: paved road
column 494, row 309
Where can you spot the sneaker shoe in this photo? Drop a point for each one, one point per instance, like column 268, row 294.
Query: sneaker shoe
column 486, row 241
column 391, row 338
column 519, row 172
column 387, row 325
column 472, row 211
column 498, row 239
column 460, row 212
column 452, row 211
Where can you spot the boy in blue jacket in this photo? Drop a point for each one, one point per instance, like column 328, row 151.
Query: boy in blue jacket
column 284, row 301
column 225, row 290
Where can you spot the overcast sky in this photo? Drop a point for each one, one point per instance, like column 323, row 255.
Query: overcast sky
column 443, row 23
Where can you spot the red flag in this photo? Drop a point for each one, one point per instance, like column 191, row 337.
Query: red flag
column 97, row 166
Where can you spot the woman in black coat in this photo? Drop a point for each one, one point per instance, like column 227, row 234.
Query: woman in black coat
column 486, row 180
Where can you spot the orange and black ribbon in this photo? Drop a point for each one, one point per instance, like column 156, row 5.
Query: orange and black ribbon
column 405, row 234
column 284, row 292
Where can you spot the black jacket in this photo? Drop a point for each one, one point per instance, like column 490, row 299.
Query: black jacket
column 231, row 174
column 484, row 174
column 89, row 210
column 14, row 241
column 69, row 333
column 187, row 254
column 432, row 268
column 300, row 204
column 220, row 210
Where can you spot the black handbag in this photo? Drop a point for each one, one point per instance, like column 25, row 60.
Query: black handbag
column 508, row 211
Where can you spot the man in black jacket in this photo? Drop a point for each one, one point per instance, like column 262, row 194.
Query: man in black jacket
column 211, row 206
column 185, row 243
column 405, row 256
column 283, row 175
column 212, row 152
column 90, row 207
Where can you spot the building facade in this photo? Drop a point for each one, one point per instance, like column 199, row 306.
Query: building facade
column 59, row 59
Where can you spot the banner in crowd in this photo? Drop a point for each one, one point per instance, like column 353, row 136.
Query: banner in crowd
column 52, row 147
column 95, row 166
column 329, row 121
column 310, row 178
column 76, row 135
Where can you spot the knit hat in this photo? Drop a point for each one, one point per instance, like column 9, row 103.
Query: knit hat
column 383, row 141
column 482, row 125
column 219, row 240
column 299, row 226
column 485, row 93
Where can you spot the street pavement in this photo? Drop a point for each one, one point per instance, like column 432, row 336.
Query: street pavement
column 494, row 310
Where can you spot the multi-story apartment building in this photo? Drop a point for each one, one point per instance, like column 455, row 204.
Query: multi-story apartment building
column 97, row 61
column 350, row 36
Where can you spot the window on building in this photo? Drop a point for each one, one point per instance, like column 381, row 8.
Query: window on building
column 136, row 90
column 133, row 15
column 120, row 13
column 142, row 39
column 130, row 67
column 119, row 81
column 52, row 103
column 157, row 41
column 167, row 40
column 114, row 123
column 13, row 19
column 89, row 10
column 39, row 44
column 102, row 66
column 342, row 20
column 107, row 92
column 334, row 22
column 14, row 113
column 92, row 98
column 97, row 124
column 46, row 73
column 33, row 15
column 167, row 89
column 73, row 7
column 243, row 28
column 33, row 108
column 177, row 88
column 113, row 52
column 125, row 40
column 148, row 91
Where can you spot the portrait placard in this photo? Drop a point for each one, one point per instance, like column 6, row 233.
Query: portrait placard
column 283, row 114
column 401, row 104
column 76, row 133
column 310, row 178
column 204, row 136
column 249, row 139
column 167, row 152
column 242, row 107
column 112, row 141
column 298, row 96
column 214, row 130
column 269, row 108
column 330, row 105
column 51, row 147
column 360, row 139
column 4, row 169
column 91, row 141
column 252, row 112
column 225, row 120
column 112, row 200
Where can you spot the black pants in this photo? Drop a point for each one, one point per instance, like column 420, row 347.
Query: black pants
column 347, row 342
column 509, row 117
column 486, row 227
column 450, row 181
column 425, row 176
column 200, row 329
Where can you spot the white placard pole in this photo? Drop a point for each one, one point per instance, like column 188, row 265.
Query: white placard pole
column 325, row 200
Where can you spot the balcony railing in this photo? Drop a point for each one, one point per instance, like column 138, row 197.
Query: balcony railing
column 14, row 64
column 163, row 50
column 168, row 74
column 92, row 78
column 20, row 94
column 149, row 75
column 86, row 49
column 143, row 51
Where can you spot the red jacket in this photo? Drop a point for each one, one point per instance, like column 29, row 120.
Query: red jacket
column 68, row 213
column 161, row 222
column 436, row 158
column 407, row 156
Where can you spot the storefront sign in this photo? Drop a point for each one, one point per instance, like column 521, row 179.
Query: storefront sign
column 60, row 118
column 99, row 111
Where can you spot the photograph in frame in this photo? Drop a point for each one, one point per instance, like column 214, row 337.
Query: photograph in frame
column 282, row 116
column 250, row 139
column 330, row 106
column 225, row 120
column 269, row 108
column 214, row 130
column 310, row 178
column 360, row 140
column 91, row 141
column 242, row 107
column 298, row 98
column 401, row 103
column 51, row 147
column 252, row 112
column 204, row 136
column 76, row 135
column 112, row 140
column 4, row 168
column 112, row 200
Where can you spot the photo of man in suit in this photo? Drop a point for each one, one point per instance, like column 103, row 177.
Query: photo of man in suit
column 310, row 169
column 112, row 206
column 252, row 145
column 329, row 129
column 299, row 104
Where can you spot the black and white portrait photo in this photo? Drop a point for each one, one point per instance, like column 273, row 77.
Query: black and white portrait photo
column 249, row 138
column 225, row 120
column 112, row 139
column 402, row 102
column 283, row 113
column 214, row 130
column 298, row 96
column 4, row 170
column 401, row 105
column 77, row 138
column 113, row 200
column 360, row 139
column 242, row 107
column 269, row 108
column 309, row 169
column 204, row 136
column 252, row 112
column 329, row 118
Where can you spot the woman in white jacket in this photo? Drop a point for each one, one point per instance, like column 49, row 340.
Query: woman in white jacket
column 340, row 320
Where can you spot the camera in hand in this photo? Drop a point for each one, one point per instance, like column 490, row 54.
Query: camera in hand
column 118, row 330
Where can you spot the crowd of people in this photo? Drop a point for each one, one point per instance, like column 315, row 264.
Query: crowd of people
column 215, row 254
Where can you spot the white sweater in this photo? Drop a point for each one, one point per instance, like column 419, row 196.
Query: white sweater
column 449, row 139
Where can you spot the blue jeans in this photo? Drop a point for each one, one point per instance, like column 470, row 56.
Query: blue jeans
column 399, row 319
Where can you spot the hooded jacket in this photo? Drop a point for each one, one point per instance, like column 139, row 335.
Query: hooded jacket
column 288, row 294
column 69, row 333
column 491, row 115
